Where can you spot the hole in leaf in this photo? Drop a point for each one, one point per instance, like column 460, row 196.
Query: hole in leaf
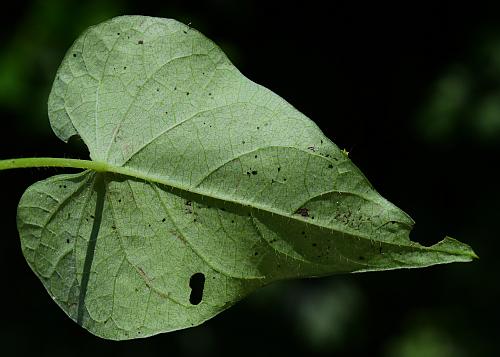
column 197, row 284
column 426, row 233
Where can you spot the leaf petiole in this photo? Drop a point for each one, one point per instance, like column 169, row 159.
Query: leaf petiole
column 33, row 162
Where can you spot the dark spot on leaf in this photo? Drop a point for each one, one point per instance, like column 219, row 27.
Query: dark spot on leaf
column 248, row 173
column 256, row 253
column 92, row 216
column 254, row 172
column 255, row 156
column 188, row 203
column 303, row 232
column 209, row 93
column 125, row 67
column 64, row 186
column 194, row 220
column 74, row 54
column 163, row 219
column 197, row 284
column 187, row 93
column 330, row 166
column 67, row 241
column 272, row 181
column 279, row 169
column 321, row 141
column 314, row 244
column 120, row 200
column 304, row 212
column 157, row 89
column 184, row 31
column 140, row 42
column 149, row 225
column 175, row 88
column 361, row 257
column 258, row 128
column 243, row 142
column 312, row 148
column 232, row 221
column 284, row 179
column 118, row 33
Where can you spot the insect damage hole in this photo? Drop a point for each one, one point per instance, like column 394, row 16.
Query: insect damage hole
column 197, row 284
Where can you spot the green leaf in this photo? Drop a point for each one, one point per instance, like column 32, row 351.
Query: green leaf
column 212, row 186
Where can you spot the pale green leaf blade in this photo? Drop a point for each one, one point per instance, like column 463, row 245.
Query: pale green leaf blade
column 217, row 176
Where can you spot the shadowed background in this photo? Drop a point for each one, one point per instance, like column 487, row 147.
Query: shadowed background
column 412, row 92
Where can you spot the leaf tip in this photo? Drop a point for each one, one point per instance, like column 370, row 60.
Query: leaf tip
column 461, row 251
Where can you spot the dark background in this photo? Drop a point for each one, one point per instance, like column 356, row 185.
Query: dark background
column 412, row 92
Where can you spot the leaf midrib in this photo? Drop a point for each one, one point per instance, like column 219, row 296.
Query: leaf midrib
column 105, row 167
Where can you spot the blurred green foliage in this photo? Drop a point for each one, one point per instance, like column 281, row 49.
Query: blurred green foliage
column 464, row 101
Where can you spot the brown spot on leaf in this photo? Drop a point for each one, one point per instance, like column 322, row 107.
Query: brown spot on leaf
column 304, row 212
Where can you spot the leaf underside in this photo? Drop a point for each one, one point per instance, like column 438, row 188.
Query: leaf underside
column 236, row 188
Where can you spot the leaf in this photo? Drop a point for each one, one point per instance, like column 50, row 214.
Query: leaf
column 214, row 186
